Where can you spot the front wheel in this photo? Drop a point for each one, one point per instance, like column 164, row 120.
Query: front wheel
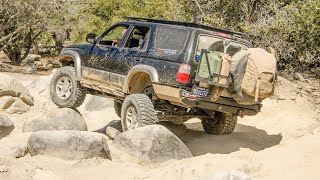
column 117, row 107
column 221, row 123
column 65, row 90
column 137, row 111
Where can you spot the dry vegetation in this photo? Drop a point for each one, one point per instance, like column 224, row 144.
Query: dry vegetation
column 291, row 27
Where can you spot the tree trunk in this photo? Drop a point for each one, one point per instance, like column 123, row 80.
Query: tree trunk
column 14, row 56
column 58, row 42
column 58, row 45
column 35, row 46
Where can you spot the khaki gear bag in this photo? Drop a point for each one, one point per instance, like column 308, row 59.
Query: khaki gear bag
column 253, row 72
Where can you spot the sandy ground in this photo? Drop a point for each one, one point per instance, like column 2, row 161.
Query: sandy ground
column 281, row 142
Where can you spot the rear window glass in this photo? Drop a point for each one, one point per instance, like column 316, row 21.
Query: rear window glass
column 170, row 41
column 211, row 43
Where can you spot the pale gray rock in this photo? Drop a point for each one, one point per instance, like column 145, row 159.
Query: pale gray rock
column 96, row 103
column 298, row 76
column 149, row 144
column 14, row 145
column 18, row 107
column 68, row 144
column 6, row 102
column 9, row 86
column 6, row 126
column 112, row 132
column 58, row 119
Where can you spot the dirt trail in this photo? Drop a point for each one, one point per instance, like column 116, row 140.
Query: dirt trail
column 281, row 142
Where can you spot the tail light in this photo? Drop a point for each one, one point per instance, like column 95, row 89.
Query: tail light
column 183, row 73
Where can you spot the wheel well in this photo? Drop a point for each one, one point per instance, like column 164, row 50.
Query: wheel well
column 139, row 82
column 67, row 61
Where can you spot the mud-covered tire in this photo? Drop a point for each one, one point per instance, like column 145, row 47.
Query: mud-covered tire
column 222, row 123
column 77, row 93
column 117, row 107
column 145, row 112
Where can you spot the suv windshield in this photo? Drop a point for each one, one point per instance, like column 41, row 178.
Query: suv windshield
column 221, row 45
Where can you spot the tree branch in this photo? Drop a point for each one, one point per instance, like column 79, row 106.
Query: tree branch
column 5, row 38
column 201, row 10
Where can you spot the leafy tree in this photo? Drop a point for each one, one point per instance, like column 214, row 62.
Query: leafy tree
column 19, row 26
column 22, row 21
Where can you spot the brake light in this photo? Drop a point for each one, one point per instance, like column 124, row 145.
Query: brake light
column 183, row 73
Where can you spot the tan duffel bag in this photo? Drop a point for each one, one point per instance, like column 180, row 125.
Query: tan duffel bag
column 254, row 75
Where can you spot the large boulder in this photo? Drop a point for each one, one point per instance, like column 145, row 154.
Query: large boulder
column 39, row 89
column 6, row 126
column 68, row 144
column 14, row 145
column 96, row 103
column 149, row 144
column 59, row 119
column 9, row 86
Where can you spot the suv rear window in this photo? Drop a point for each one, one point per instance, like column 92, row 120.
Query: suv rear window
column 170, row 41
column 211, row 43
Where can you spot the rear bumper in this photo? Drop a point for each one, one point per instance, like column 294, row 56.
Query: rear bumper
column 227, row 105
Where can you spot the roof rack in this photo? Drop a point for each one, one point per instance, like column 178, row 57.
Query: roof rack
column 180, row 23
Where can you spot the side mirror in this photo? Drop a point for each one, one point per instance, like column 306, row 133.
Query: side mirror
column 91, row 37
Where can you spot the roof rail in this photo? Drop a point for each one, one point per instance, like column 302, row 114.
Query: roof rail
column 181, row 23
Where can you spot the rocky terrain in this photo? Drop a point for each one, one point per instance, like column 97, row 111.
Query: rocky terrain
column 40, row 141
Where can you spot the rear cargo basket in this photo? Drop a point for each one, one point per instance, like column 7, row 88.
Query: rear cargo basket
column 209, row 69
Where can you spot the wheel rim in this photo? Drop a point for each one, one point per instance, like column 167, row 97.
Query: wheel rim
column 131, row 118
column 64, row 87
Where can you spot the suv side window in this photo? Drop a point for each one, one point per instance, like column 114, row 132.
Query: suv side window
column 114, row 36
column 170, row 40
column 138, row 38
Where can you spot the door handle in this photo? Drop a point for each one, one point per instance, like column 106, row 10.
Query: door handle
column 138, row 60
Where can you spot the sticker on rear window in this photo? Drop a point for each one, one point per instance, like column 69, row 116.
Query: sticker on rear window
column 166, row 51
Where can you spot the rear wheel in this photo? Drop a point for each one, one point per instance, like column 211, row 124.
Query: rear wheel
column 65, row 90
column 221, row 123
column 137, row 111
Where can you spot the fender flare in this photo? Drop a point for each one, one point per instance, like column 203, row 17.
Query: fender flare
column 151, row 71
column 77, row 62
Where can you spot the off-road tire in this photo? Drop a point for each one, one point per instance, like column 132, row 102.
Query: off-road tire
column 146, row 114
column 222, row 123
column 78, row 93
column 117, row 108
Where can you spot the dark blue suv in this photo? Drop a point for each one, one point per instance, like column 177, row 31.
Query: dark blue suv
column 150, row 68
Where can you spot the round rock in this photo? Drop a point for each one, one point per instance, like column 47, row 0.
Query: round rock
column 96, row 103
column 68, row 144
column 149, row 144
column 59, row 119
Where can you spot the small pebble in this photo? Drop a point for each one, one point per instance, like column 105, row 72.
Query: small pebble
column 3, row 169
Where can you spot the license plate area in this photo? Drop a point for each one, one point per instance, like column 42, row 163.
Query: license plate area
column 199, row 92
